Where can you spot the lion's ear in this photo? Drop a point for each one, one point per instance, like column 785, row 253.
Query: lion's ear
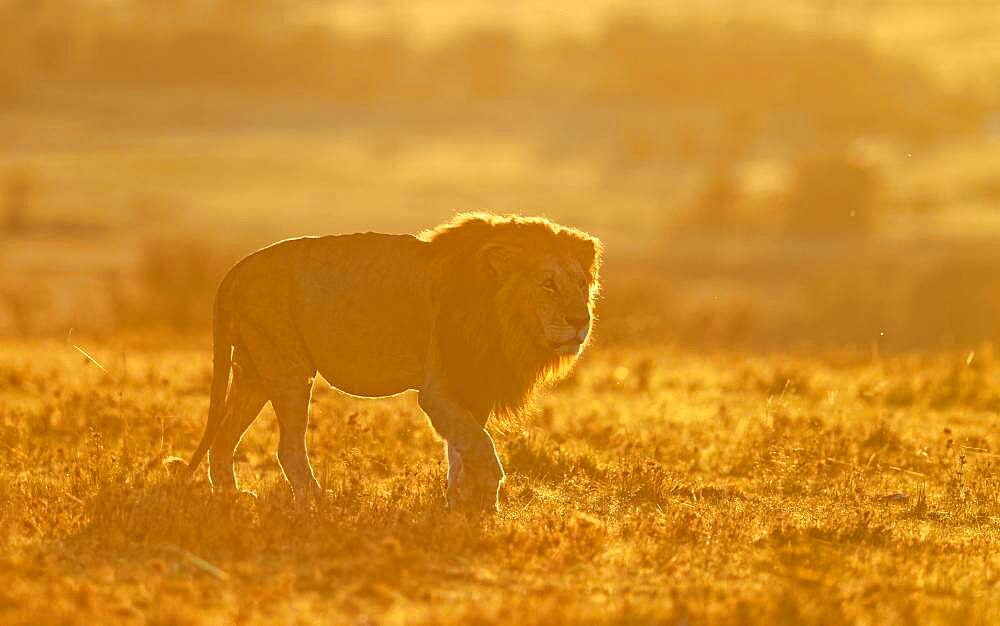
column 498, row 258
column 587, row 251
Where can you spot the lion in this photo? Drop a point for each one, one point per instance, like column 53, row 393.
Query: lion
column 473, row 315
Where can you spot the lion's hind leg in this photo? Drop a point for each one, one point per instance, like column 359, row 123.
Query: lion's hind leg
column 247, row 397
column 291, row 403
column 287, row 375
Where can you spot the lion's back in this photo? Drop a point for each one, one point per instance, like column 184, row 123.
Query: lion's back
column 358, row 306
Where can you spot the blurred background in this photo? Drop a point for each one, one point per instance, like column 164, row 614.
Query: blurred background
column 770, row 175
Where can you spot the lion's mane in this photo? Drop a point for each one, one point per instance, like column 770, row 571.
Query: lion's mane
column 490, row 360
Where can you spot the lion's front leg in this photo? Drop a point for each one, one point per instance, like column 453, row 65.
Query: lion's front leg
column 474, row 476
column 455, row 471
column 474, row 470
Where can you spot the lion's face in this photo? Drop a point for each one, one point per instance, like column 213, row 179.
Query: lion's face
column 558, row 301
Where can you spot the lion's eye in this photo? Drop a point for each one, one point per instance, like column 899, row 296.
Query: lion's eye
column 549, row 285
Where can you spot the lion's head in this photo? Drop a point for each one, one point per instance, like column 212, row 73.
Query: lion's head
column 516, row 305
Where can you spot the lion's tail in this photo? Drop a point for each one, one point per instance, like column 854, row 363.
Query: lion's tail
column 222, row 364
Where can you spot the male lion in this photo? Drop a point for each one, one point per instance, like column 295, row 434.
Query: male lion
column 472, row 315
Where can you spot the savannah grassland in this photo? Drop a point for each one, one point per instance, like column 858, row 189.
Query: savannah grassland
column 652, row 487
column 790, row 410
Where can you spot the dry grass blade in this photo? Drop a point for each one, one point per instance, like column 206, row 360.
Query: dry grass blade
column 199, row 562
column 90, row 359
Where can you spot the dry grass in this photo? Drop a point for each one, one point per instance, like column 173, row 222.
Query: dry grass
column 145, row 145
column 653, row 487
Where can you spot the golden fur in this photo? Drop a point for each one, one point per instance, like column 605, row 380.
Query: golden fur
column 472, row 314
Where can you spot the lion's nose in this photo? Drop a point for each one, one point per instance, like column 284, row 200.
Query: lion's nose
column 578, row 322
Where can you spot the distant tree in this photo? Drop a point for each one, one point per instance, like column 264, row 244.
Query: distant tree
column 832, row 196
column 717, row 209
column 17, row 192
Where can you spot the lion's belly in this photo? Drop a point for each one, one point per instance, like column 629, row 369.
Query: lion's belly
column 355, row 385
column 373, row 361
column 364, row 371
column 364, row 313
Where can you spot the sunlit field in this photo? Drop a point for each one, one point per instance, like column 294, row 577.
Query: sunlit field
column 789, row 411
column 652, row 487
